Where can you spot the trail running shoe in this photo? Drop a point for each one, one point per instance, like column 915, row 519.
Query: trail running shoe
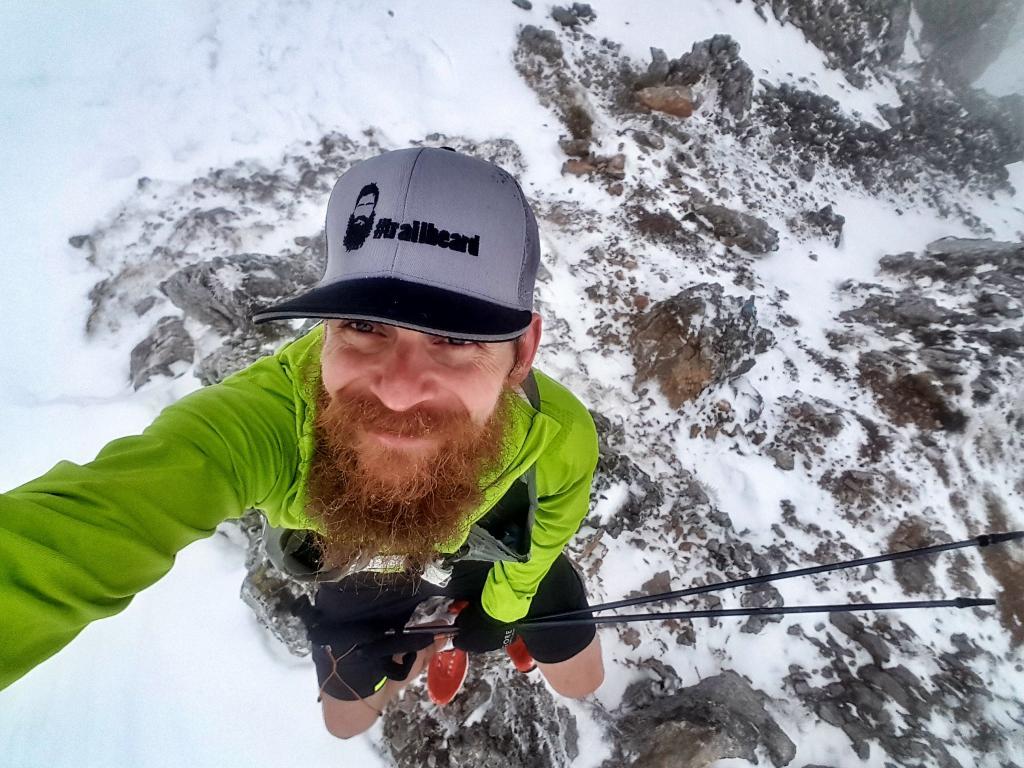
column 447, row 669
column 445, row 675
column 520, row 656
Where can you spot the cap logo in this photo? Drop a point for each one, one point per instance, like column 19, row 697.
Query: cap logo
column 427, row 233
column 360, row 223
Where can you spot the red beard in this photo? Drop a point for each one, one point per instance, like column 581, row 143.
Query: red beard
column 372, row 498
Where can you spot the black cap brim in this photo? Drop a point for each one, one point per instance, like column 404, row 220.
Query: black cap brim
column 408, row 305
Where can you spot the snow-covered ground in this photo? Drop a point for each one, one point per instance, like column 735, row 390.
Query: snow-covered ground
column 93, row 97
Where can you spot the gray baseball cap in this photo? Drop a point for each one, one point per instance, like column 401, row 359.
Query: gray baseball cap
column 427, row 239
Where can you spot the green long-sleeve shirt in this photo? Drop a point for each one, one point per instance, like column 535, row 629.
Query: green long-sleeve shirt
column 77, row 543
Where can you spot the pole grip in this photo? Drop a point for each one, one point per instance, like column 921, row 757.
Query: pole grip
column 987, row 539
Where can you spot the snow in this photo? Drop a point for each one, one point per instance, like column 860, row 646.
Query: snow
column 93, row 96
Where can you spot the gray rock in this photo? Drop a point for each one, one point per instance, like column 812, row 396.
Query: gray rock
column 542, row 42
column 827, row 222
column 522, row 725
column 168, row 343
column 721, row 716
column 526, row 5
column 564, row 16
column 784, row 460
column 740, row 229
column 224, row 291
column 716, row 59
column 657, row 70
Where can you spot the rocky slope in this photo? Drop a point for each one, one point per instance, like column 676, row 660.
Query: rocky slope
column 891, row 417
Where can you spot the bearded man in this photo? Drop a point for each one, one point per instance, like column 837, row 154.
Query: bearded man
column 406, row 436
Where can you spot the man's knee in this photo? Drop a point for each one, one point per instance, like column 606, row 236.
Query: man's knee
column 345, row 719
column 578, row 676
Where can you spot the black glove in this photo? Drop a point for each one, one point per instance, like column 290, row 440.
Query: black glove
column 364, row 639
column 479, row 633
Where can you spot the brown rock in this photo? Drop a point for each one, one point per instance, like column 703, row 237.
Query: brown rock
column 672, row 99
column 578, row 167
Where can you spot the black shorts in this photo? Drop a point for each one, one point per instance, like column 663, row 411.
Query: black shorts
column 393, row 598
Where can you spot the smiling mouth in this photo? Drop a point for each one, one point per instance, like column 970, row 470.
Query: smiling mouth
column 400, row 441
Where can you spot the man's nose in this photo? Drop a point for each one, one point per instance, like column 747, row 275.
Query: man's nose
column 403, row 378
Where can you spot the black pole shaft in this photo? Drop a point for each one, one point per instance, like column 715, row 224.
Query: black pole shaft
column 545, row 623
column 979, row 541
column 628, row 618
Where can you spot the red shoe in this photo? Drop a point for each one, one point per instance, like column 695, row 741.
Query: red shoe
column 520, row 656
column 447, row 669
column 445, row 675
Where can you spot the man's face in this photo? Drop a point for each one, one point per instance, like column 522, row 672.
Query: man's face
column 407, row 426
column 364, row 208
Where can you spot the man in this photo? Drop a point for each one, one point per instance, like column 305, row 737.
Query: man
column 407, row 433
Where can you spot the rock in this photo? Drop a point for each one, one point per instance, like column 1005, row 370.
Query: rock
column 719, row 717
column 579, row 148
column 908, row 398
column 224, row 291
column 852, row 627
column 517, row 723
column 855, row 38
column 915, row 574
column 615, row 470
column 526, row 5
column 564, row 16
column 649, row 140
column 740, row 229
column 716, row 60
column 658, row 69
column 542, row 42
column 167, row 344
column 672, row 99
column 827, row 222
column 78, row 241
column 696, row 338
column 579, row 13
column 962, row 40
column 784, row 460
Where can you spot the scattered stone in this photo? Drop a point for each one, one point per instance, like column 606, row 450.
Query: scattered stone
column 526, row 5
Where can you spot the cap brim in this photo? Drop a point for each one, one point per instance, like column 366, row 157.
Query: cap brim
column 408, row 305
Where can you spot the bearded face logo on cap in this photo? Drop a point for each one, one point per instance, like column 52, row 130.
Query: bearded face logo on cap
column 360, row 223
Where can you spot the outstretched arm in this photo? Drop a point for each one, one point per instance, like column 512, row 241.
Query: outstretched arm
column 77, row 543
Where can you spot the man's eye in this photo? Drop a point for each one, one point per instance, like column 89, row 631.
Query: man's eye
column 360, row 326
column 458, row 342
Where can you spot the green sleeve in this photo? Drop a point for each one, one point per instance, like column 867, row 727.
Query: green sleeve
column 77, row 543
column 564, row 476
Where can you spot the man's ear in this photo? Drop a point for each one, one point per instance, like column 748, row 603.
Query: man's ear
column 526, row 350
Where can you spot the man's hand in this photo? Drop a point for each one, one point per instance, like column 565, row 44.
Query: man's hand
column 365, row 639
column 479, row 633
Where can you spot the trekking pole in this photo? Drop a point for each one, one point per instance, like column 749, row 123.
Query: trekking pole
column 984, row 540
column 546, row 622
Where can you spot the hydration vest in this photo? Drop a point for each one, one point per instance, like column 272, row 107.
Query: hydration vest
column 503, row 534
